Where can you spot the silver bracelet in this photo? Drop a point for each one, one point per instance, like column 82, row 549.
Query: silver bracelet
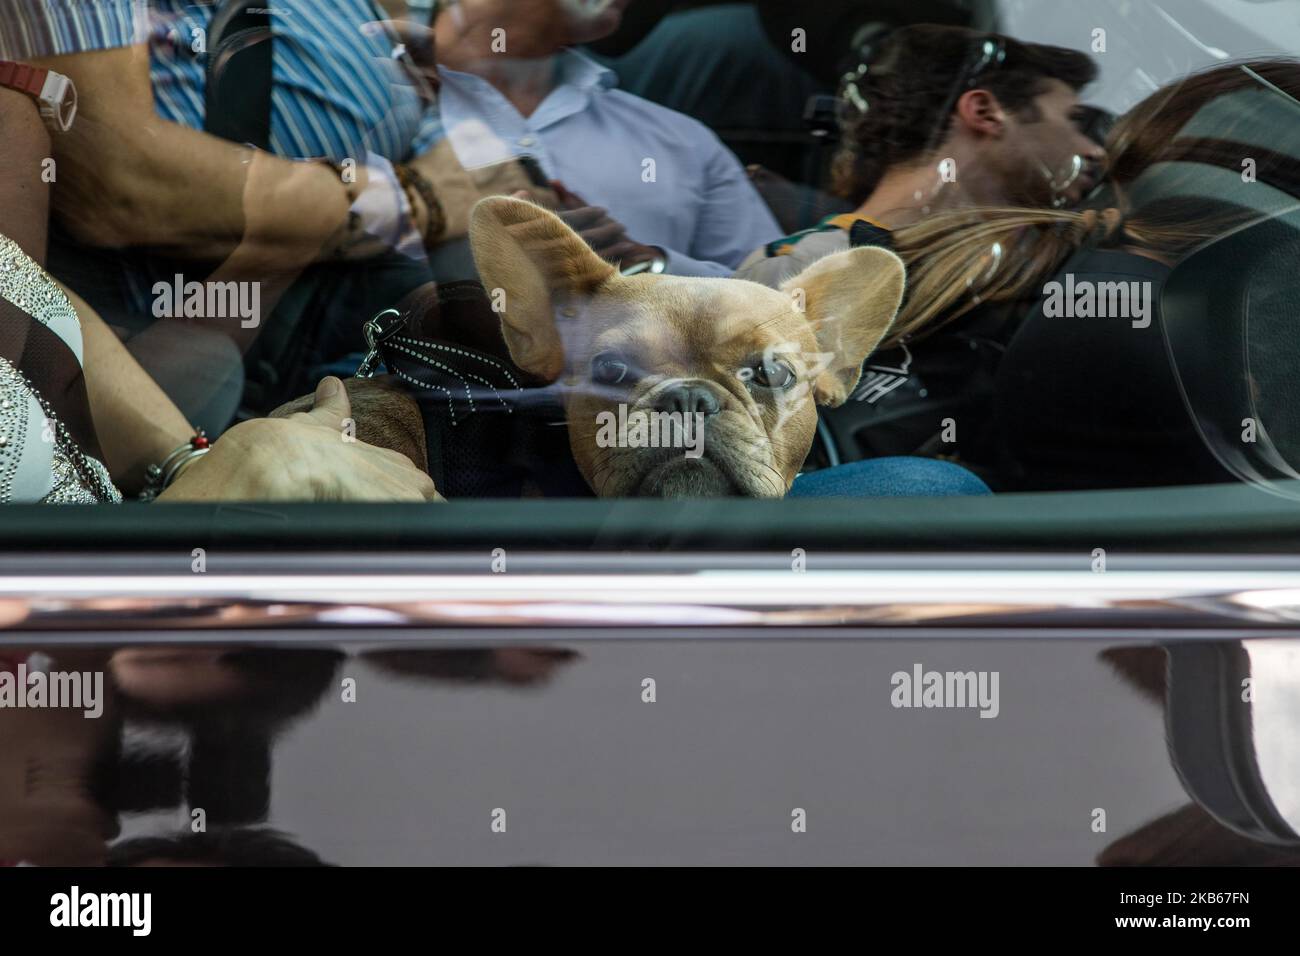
column 159, row 477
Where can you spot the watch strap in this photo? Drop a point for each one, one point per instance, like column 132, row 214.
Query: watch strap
column 23, row 77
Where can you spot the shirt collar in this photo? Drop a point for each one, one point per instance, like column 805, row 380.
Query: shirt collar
column 572, row 69
column 578, row 69
column 467, row 97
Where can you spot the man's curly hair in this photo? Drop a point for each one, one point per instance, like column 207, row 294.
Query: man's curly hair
column 891, row 116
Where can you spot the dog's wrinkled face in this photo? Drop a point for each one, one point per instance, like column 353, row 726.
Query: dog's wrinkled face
column 681, row 387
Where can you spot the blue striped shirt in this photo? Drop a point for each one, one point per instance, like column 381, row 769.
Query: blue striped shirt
column 338, row 92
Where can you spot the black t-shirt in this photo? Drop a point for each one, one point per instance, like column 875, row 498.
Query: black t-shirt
column 908, row 395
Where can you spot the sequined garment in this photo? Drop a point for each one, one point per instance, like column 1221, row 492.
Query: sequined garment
column 39, row 461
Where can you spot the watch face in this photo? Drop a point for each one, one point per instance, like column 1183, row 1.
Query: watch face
column 68, row 108
column 655, row 266
column 59, row 101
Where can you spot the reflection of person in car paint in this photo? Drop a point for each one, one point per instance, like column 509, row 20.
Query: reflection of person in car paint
column 517, row 666
column 238, row 846
column 52, row 808
column 271, row 685
column 232, row 703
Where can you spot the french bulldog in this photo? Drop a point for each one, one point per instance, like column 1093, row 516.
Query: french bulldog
column 672, row 386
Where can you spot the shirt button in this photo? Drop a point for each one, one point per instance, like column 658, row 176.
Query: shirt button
column 527, row 141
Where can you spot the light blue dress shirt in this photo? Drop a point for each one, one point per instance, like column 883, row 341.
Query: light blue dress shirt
column 663, row 175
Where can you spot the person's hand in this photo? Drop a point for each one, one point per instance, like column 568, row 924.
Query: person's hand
column 458, row 189
column 607, row 236
column 306, row 456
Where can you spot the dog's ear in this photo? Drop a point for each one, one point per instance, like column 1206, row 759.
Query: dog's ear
column 851, row 299
column 540, row 265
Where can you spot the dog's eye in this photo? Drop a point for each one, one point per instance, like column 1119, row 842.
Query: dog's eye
column 608, row 368
column 769, row 373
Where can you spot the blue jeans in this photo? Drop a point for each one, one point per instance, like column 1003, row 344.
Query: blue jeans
column 888, row 477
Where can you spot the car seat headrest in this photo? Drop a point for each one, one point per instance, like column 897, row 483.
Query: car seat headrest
column 1229, row 314
column 1265, row 117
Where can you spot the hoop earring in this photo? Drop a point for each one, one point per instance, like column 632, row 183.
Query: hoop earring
column 1059, row 189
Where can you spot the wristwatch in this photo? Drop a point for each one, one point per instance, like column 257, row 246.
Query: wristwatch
column 655, row 265
column 53, row 92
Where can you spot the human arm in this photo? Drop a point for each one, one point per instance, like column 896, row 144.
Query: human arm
column 24, row 197
column 135, row 422
column 307, row 456
column 128, row 177
column 304, row 457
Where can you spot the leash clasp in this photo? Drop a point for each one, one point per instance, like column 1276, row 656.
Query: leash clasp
column 377, row 331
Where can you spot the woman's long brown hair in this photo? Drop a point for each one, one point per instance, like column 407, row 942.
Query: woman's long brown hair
column 960, row 259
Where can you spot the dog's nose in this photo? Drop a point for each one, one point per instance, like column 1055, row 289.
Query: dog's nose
column 688, row 398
